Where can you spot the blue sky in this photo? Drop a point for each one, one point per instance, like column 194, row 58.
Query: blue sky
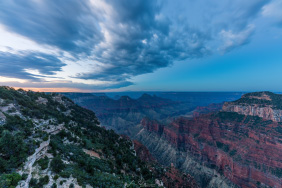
column 108, row 45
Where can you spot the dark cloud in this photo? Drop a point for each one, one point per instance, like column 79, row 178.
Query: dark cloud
column 15, row 65
column 142, row 40
column 69, row 25
column 130, row 38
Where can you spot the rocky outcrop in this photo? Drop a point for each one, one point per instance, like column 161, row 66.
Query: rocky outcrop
column 266, row 105
column 142, row 152
column 245, row 150
column 152, row 125
column 174, row 178
column 266, row 112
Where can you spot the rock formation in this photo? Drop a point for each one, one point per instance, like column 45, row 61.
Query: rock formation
column 237, row 145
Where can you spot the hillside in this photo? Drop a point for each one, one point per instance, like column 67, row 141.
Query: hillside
column 48, row 141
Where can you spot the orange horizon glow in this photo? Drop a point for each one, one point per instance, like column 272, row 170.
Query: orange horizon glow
column 55, row 90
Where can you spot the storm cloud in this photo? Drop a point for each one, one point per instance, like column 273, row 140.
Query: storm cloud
column 17, row 65
column 69, row 25
column 125, row 38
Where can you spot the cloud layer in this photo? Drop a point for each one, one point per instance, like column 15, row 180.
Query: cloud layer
column 19, row 65
column 117, row 40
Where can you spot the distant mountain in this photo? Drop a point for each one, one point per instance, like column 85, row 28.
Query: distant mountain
column 126, row 112
column 103, row 103
column 46, row 140
column 194, row 98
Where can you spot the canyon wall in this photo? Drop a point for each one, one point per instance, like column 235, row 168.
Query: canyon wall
column 266, row 112
column 219, row 148
column 167, row 154
column 266, row 105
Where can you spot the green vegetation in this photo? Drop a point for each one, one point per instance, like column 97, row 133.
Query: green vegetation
column 43, row 163
column 278, row 129
column 94, row 171
column 222, row 146
column 254, row 122
column 276, row 171
column 275, row 102
column 34, row 183
column 233, row 152
column 57, row 165
column 19, row 138
column 196, row 135
column 14, row 150
column 9, row 180
column 230, row 116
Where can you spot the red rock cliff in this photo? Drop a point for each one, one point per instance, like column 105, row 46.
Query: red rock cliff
column 266, row 105
column 245, row 149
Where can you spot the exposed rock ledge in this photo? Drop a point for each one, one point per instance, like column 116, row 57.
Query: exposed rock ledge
column 266, row 112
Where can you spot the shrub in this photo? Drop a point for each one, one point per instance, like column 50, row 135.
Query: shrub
column 9, row 180
column 233, row 152
column 45, row 138
column 56, row 177
column 43, row 163
column 24, row 176
column 57, row 165
column 43, row 180
column 222, row 146
column 32, row 182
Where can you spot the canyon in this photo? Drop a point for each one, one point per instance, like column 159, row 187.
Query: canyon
column 46, row 140
column 231, row 144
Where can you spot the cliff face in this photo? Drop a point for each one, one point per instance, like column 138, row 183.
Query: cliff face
column 263, row 104
column 142, row 152
column 254, row 110
column 166, row 153
column 172, row 177
column 245, row 149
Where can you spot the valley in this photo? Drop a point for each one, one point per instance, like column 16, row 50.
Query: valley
column 235, row 144
column 49, row 141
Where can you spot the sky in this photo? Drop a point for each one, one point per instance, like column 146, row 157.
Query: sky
column 141, row 45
